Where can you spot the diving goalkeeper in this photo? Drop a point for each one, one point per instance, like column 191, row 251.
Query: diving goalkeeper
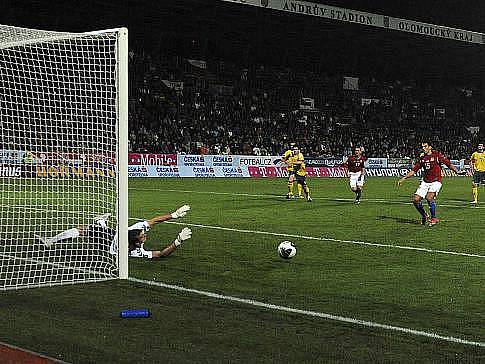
column 101, row 234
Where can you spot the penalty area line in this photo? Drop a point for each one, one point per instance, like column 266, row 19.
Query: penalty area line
column 323, row 315
column 304, row 237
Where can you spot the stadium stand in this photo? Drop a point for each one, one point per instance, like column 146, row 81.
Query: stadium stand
column 223, row 108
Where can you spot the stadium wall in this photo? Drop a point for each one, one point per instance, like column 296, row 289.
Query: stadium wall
column 15, row 164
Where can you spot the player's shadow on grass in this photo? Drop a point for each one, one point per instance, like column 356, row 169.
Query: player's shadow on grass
column 400, row 220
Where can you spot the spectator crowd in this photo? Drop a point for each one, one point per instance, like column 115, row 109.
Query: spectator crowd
column 179, row 105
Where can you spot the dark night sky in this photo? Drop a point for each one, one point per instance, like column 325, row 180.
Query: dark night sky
column 468, row 15
column 252, row 35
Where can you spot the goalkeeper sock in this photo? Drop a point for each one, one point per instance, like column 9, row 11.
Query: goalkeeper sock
column 71, row 233
column 420, row 208
column 299, row 189
column 475, row 193
column 432, row 208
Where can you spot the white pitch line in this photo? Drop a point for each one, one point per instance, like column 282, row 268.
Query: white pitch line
column 305, row 237
column 377, row 200
column 313, row 313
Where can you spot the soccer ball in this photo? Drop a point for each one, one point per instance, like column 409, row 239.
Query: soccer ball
column 286, row 250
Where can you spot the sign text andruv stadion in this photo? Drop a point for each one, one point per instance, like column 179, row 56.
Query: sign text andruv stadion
column 369, row 19
column 330, row 12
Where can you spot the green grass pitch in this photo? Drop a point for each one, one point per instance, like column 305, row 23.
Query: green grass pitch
column 372, row 262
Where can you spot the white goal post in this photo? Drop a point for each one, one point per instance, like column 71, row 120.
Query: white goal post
column 63, row 157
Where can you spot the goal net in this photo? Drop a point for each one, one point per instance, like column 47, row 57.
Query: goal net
column 63, row 130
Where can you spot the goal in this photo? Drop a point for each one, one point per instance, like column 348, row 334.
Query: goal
column 63, row 155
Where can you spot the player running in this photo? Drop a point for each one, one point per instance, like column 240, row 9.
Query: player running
column 430, row 161
column 477, row 164
column 356, row 172
column 101, row 235
column 288, row 158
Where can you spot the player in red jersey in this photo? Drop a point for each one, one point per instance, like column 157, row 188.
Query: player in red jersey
column 356, row 172
column 430, row 161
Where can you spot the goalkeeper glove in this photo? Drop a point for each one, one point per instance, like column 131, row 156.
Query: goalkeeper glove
column 185, row 234
column 181, row 212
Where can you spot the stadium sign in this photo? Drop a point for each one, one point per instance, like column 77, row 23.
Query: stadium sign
column 152, row 159
column 268, row 172
column 369, row 19
column 9, row 171
column 216, row 171
column 259, row 160
column 276, row 172
column 166, row 171
column 191, row 160
column 434, row 30
column 153, row 171
column 399, row 163
column 330, row 12
column 386, row 172
column 138, row 171
column 376, row 163
column 221, row 160
column 329, row 172
column 68, row 171
column 223, row 171
column 186, row 171
column 323, row 162
column 11, row 156
column 400, row 172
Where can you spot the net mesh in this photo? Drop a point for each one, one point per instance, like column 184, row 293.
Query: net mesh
column 58, row 144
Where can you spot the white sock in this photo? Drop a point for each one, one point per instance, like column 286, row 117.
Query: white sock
column 71, row 233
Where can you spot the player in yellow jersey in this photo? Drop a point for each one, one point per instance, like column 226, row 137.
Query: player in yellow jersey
column 300, row 174
column 296, row 161
column 477, row 164
column 288, row 159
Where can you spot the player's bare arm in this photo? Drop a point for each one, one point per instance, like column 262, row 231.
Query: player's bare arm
column 408, row 175
column 472, row 165
column 452, row 167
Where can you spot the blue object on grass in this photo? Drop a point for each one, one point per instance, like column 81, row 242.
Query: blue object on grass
column 135, row 313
